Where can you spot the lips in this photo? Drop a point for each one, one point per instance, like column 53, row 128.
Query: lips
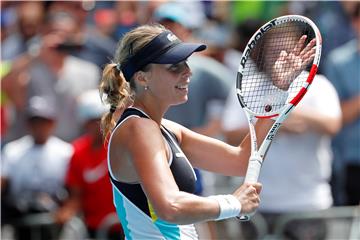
column 182, row 86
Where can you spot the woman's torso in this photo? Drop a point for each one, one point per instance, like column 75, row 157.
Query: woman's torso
column 135, row 211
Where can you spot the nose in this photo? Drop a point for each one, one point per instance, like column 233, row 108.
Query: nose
column 187, row 71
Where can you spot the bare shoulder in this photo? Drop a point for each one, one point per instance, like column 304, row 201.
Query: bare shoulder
column 134, row 144
column 135, row 130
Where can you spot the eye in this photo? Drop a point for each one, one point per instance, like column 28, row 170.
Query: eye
column 174, row 67
column 178, row 67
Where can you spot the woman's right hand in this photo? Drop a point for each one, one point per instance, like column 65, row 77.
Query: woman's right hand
column 248, row 196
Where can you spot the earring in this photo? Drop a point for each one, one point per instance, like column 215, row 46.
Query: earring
column 146, row 88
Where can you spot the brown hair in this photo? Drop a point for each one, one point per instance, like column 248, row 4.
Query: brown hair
column 114, row 89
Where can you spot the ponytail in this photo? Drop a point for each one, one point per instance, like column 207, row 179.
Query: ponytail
column 114, row 91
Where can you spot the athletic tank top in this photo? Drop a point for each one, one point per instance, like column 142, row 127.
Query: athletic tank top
column 136, row 214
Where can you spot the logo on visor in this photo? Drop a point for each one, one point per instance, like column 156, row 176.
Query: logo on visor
column 171, row 37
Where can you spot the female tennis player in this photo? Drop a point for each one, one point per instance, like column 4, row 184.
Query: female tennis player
column 148, row 156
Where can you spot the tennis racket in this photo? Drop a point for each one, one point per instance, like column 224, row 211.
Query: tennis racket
column 276, row 70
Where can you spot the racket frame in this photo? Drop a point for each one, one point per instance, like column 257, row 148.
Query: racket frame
column 257, row 155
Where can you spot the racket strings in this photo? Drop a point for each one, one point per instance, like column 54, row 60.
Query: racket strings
column 259, row 91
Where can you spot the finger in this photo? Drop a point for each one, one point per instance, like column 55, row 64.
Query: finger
column 250, row 190
column 299, row 45
column 258, row 187
column 256, row 201
column 283, row 55
column 308, row 57
column 309, row 53
column 307, row 61
column 308, row 47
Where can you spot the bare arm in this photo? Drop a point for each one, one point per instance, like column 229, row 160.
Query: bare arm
column 148, row 154
column 14, row 83
column 216, row 156
column 70, row 207
column 350, row 109
column 302, row 120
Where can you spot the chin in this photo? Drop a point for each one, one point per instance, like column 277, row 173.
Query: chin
column 182, row 101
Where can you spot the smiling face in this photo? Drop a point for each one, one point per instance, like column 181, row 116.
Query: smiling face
column 168, row 82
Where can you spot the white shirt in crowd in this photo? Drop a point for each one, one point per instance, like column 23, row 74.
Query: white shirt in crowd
column 33, row 169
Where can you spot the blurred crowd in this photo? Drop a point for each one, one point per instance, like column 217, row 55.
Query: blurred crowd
column 53, row 159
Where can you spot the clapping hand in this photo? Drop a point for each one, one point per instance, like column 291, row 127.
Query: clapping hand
column 289, row 65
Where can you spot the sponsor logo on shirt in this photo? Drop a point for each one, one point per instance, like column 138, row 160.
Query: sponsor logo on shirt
column 95, row 174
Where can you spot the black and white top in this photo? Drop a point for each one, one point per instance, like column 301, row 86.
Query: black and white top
column 135, row 211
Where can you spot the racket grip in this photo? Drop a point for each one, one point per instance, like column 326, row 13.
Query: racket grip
column 252, row 175
column 253, row 170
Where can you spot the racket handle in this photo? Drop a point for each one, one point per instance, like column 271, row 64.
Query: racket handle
column 252, row 175
column 253, row 170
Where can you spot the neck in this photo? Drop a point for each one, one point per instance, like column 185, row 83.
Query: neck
column 39, row 142
column 154, row 111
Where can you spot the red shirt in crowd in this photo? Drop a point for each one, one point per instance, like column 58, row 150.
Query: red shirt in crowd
column 88, row 171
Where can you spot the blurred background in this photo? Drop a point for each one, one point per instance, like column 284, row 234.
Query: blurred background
column 54, row 182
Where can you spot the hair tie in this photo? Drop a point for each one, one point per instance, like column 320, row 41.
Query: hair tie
column 112, row 108
column 118, row 67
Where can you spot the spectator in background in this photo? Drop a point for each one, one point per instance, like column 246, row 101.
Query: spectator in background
column 217, row 38
column 301, row 153
column 343, row 69
column 145, row 10
column 8, row 19
column 87, row 179
column 91, row 39
column 105, row 22
column 21, row 23
column 30, row 17
column 127, row 14
column 33, row 169
column 51, row 70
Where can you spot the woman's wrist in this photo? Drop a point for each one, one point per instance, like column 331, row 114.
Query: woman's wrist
column 229, row 206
